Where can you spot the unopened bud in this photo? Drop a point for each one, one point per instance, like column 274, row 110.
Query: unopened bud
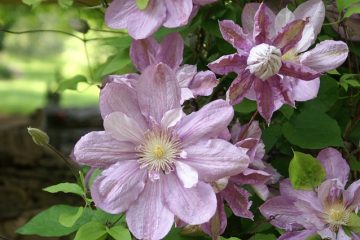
column 39, row 137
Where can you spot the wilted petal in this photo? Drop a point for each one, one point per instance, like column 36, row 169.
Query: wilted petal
column 314, row 10
column 178, row 12
column 185, row 75
column 203, row 83
column 208, row 122
column 326, row 56
column 172, row 117
column 158, row 91
column 303, row 90
column 228, row 63
column 240, row 87
column 282, row 213
column 192, row 205
column 352, row 195
column 234, row 34
column 120, row 97
column 215, row 159
column 118, row 12
column 238, row 200
column 149, row 218
column 265, row 99
column 289, row 36
column 300, row 71
column 284, row 17
column 298, row 235
column 118, row 187
column 123, row 128
column 262, row 24
column 171, row 50
column 187, row 174
column 217, row 224
column 144, row 52
column 335, row 165
column 143, row 23
column 100, row 150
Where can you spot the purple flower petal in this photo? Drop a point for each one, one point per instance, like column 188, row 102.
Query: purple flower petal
column 185, row 75
column 265, row 98
column 238, row 200
column 158, row 91
column 171, row 49
column 203, row 83
column 335, row 165
column 172, row 117
column 148, row 217
column 228, row 63
column 330, row 191
column 341, row 235
column 262, row 24
column 251, row 176
column 215, row 159
column 247, row 16
column 120, row 97
column 282, row 213
column 123, row 128
column 300, row 71
column 234, row 34
column 187, row 174
column 240, row 87
column 100, row 150
column 192, row 205
column 298, row 235
column 142, row 23
column 217, row 224
column 315, row 11
column 144, row 52
column 178, row 12
column 282, row 89
column 327, row 55
column 208, row 122
column 289, row 36
column 284, row 17
column 303, row 90
column 118, row 187
column 352, row 195
column 118, row 12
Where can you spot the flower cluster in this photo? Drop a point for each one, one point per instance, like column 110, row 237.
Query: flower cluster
column 160, row 165
column 326, row 211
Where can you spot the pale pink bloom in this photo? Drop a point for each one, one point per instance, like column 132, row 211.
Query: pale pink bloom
column 324, row 211
column 170, row 51
column 156, row 160
column 272, row 64
column 124, row 14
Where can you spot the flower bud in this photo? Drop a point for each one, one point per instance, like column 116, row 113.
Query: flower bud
column 39, row 137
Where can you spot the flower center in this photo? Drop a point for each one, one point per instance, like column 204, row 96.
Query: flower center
column 159, row 151
column 264, row 61
column 337, row 215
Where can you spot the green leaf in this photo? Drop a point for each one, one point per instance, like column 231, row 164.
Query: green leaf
column 305, row 171
column 91, row 231
column 46, row 223
column 69, row 219
column 119, row 233
column 354, row 164
column 232, row 238
column 66, row 188
column 142, row 4
column 343, row 4
column 71, row 83
column 351, row 11
column 327, row 96
column 354, row 220
column 246, row 106
column 312, row 129
column 314, row 237
column 33, row 3
column 271, row 135
column 261, row 236
column 65, row 3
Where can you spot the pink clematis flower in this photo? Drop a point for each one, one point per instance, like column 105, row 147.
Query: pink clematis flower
column 272, row 65
column 230, row 190
column 324, row 211
column 170, row 51
column 155, row 159
column 124, row 14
